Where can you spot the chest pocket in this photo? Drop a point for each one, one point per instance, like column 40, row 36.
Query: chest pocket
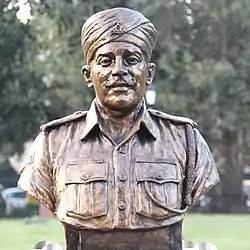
column 158, row 187
column 86, row 189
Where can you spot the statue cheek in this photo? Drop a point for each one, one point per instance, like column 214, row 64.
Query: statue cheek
column 104, row 75
column 141, row 75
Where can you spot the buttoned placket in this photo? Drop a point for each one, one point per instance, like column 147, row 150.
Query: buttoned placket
column 121, row 198
column 122, row 178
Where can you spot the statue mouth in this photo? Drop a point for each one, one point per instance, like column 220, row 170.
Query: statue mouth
column 120, row 88
column 120, row 84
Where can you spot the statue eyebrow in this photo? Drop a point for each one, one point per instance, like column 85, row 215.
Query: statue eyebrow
column 105, row 54
column 126, row 52
column 99, row 56
column 136, row 52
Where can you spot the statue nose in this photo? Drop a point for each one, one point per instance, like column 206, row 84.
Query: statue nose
column 119, row 69
column 120, row 72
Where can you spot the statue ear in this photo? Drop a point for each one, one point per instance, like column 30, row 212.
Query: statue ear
column 87, row 75
column 151, row 73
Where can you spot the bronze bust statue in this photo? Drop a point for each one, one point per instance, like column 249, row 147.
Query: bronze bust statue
column 119, row 176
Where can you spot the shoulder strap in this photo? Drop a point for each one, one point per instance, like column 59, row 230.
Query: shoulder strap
column 173, row 118
column 63, row 120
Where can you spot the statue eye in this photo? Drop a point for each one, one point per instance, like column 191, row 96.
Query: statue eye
column 105, row 61
column 132, row 60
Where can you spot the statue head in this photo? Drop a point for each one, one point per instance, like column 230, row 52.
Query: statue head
column 117, row 46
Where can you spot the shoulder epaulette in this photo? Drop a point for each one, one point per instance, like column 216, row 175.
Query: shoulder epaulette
column 173, row 118
column 63, row 120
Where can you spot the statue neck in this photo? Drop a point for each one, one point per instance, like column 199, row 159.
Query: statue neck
column 117, row 124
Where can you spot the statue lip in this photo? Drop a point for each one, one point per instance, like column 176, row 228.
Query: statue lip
column 120, row 83
column 120, row 88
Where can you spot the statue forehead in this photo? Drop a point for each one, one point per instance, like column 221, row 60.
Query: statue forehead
column 118, row 48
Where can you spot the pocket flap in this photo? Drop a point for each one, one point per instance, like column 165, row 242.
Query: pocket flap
column 85, row 171
column 159, row 171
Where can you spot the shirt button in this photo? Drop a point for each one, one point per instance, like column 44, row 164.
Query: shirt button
column 122, row 205
column 159, row 176
column 122, row 177
column 122, row 150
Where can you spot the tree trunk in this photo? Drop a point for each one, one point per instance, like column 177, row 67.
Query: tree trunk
column 231, row 198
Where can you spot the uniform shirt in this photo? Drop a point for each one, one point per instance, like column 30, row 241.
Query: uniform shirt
column 89, row 182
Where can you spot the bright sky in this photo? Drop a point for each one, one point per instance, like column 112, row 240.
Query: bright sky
column 24, row 12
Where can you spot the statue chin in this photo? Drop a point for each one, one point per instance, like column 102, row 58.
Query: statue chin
column 122, row 106
column 122, row 103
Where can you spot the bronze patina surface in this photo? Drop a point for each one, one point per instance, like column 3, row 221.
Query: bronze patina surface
column 119, row 176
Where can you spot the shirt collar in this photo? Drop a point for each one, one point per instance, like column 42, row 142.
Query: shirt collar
column 91, row 120
column 144, row 119
column 147, row 121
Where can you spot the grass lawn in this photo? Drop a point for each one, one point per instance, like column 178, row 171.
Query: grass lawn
column 227, row 232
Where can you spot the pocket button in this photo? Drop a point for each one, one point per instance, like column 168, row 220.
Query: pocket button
column 159, row 176
column 84, row 177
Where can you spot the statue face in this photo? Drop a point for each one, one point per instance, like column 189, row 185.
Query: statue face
column 119, row 73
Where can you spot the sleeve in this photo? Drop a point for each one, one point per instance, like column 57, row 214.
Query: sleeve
column 36, row 174
column 206, row 173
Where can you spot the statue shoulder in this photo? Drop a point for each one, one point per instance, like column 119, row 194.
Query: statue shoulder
column 173, row 118
column 73, row 117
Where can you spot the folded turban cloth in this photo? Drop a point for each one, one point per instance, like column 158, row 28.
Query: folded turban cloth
column 120, row 25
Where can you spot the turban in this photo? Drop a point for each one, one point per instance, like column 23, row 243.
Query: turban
column 120, row 25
